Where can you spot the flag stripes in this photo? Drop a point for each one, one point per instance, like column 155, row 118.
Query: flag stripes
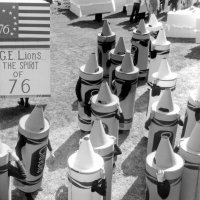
column 32, row 25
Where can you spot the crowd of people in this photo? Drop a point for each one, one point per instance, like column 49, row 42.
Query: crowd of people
column 140, row 7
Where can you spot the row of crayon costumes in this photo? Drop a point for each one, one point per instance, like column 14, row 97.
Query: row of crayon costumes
column 106, row 91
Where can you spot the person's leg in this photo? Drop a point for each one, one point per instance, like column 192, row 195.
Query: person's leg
column 26, row 103
column 137, row 8
column 132, row 14
column 21, row 102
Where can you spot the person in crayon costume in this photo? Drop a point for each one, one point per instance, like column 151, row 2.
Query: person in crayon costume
column 189, row 149
column 86, row 174
column 164, row 118
column 164, row 170
column 116, row 58
column 106, row 42
column 140, row 48
column 125, row 83
column 88, row 84
column 104, row 145
column 31, row 148
column 7, row 170
column 192, row 114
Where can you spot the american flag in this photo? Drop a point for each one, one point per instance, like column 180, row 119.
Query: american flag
column 25, row 25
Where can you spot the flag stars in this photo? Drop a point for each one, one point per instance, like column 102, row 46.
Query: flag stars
column 11, row 33
column 14, row 29
column 14, row 17
column 13, row 7
column 10, row 13
column 15, row 23
column 3, row 10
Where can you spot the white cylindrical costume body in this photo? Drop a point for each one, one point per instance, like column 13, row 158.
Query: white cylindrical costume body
column 140, row 48
column 84, row 169
column 160, row 49
column 162, row 122
column 33, row 150
column 107, row 111
column 106, row 42
column 171, row 169
column 5, row 191
column 193, row 107
column 103, row 144
column 89, row 84
column 190, row 152
column 126, row 85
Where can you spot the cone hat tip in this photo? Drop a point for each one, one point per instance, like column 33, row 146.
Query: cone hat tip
column 165, row 104
column 91, row 65
column 35, row 121
column 104, row 96
column 98, row 136
column 142, row 28
column 120, row 47
column 165, row 157
column 127, row 63
column 85, row 159
column 106, row 30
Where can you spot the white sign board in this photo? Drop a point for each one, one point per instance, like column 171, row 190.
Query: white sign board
column 24, row 48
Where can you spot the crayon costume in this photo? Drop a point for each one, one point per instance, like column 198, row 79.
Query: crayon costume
column 140, row 48
column 126, row 77
column 31, row 148
column 164, row 119
column 106, row 42
column 88, row 84
column 189, row 150
column 86, row 174
column 164, row 170
column 192, row 114
column 7, row 170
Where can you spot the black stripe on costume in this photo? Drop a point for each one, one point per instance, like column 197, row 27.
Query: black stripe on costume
column 165, row 123
column 84, row 121
column 3, row 169
column 29, row 183
column 104, row 115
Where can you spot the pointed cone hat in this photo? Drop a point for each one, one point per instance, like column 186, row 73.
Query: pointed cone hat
column 194, row 141
column 105, row 96
column 91, row 65
column 85, row 156
column 141, row 27
column 127, row 63
column 120, row 47
column 98, row 136
column 161, row 38
column 164, row 156
column 106, row 31
column 153, row 20
column 166, row 102
column 35, row 122
column 164, row 71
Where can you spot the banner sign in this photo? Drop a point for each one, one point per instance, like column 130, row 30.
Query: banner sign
column 24, row 48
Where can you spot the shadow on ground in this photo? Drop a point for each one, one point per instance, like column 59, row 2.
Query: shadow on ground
column 116, row 15
column 194, row 53
column 134, row 165
column 141, row 103
column 62, row 193
column 19, row 195
column 87, row 24
column 64, row 11
column 10, row 116
column 64, row 151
